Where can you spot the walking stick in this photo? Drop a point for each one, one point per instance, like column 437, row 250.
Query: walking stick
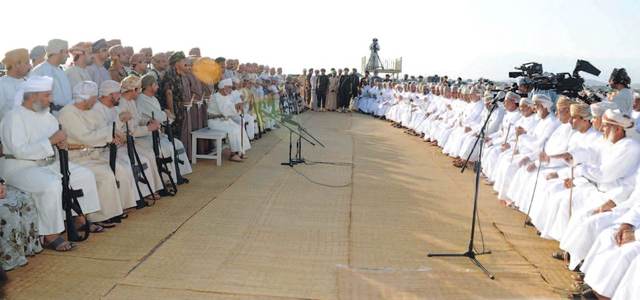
column 535, row 186
column 515, row 148
column 571, row 190
column 507, row 135
column 242, row 133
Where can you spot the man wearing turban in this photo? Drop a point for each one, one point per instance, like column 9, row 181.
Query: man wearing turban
column 29, row 133
column 88, row 138
column 221, row 110
column 57, row 54
column 18, row 66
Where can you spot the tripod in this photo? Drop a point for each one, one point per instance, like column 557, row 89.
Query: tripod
column 471, row 252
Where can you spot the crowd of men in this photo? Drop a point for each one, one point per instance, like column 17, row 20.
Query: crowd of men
column 329, row 92
column 571, row 166
column 125, row 121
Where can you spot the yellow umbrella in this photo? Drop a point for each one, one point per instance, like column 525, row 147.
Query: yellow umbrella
column 207, row 70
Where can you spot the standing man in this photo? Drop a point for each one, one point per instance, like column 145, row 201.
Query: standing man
column 344, row 91
column 97, row 70
column 355, row 85
column 177, row 97
column 78, row 72
column 323, row 87
column 37, row 55
column 57, row 53
column 17, row 64
column 623, row 96
column 313, row 83
column 138, row 65
column 307, row 95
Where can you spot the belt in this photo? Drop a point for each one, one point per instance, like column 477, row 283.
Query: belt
column 214, row 116
column 81, row 147
column 45, row 161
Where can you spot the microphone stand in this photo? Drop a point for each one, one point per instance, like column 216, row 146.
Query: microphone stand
column 471, row 253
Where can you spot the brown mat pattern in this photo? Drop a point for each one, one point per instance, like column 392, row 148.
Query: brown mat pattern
column 258, row 230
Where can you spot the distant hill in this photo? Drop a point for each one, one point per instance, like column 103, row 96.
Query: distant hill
column 594, row 83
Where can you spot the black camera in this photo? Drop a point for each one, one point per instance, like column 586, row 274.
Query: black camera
column 530, row 69
column 568, row 84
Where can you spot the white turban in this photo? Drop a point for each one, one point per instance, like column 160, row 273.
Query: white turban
column 225, row 82
column 511, row 95
column 55, row 46
column 84, row 91
column 617, row 118
column 38, row 84
column 598, row 108
column 109, row 87
column 526, row 101
column 33, row 84
column 544, row 100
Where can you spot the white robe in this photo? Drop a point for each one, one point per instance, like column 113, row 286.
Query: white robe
column 76, row 75
column 25, row 134
column 8, row 88
column 610, row 178
column 223, row 107
column 471, row 117
column 583, row 230
column 606, row 263
column 545, row 206
column 142, row 136
column 149, row 107
column 629, row 287
column 524, row 181
column 505, row 134
column 61, row 86
column 85, row 128
column 492, row 127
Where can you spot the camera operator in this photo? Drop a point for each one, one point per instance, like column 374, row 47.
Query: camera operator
column 525, row 87
column 622, row 95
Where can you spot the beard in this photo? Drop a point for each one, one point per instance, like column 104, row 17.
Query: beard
column 611, row 136
column 40, row 108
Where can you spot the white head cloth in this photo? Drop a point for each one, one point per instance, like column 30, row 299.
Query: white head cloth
column 225, row 82
column 526, row 101
column 84, row 91
column 56, row 45
column 33, row 84
column 617, row 118
column 109, row 87
column 544, row 100
column 598, row 108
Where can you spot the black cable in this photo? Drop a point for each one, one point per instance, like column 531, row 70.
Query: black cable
column 481, row 234
column 320, row 183
column 342, row 164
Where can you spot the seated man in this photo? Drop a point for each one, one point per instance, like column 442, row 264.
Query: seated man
column 612, row 253
column 148, row 107
column 28, row 134
column 88, row 138
column 221, row 110
column 19, row 231
column 106, row 108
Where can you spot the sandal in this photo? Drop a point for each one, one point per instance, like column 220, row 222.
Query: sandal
column 99, row 227
column 559, row 255
column 235, row 158
column 58, row 244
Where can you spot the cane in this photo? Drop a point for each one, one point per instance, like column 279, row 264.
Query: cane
column 242, row 133
column 535, row 186
column 571, row 190
column 515, row 148
column 507, row 135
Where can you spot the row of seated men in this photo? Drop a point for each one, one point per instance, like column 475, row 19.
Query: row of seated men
column 572, row 167
column 98, row 121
